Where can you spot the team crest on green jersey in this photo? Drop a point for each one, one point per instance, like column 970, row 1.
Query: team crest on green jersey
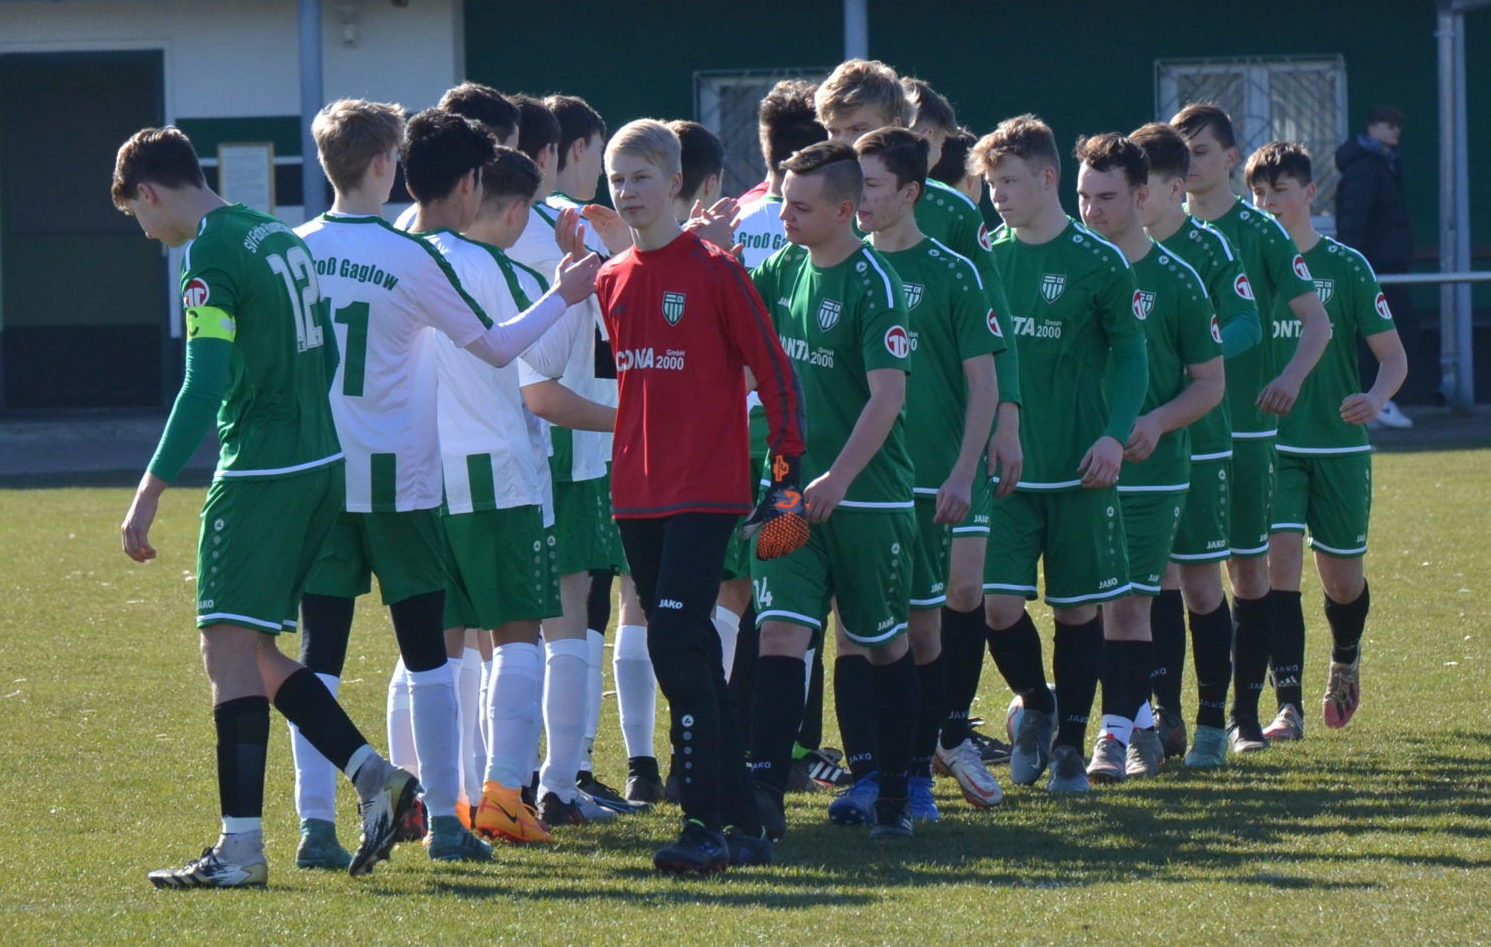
column 1325, row 289
column 828, row 314
column 673, row 307
column 1052, row 286
column 914, row 294
column 1143, row 304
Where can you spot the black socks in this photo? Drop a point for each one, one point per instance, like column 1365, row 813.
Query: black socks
column 242, row 744
column 1167, row 627
column 1076, row 662
column 1347, row 622
column 1253, row 620
column 1287, row 654
column 963, row 638
column 1211, row 651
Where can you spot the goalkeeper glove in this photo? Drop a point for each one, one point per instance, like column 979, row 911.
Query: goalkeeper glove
column 781, row 516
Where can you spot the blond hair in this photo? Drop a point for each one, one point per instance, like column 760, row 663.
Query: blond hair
column 1024, row 136
column 863, row 83
column 350, row 133
column 650, row 140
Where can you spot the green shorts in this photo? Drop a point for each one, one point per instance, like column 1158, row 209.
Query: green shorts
column 1254, row 479
column 1204, row 520
column 504, row 568
column 259, row 541
column 584, row 527
column 405, row 550
column 1149, row 524
column 976, row 523
column 737, row 556
column 1077, row 533
column 1331, row 495
column 862, row 559
column 929, row 558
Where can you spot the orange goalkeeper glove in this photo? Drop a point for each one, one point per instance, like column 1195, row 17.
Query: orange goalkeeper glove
column 780, row 517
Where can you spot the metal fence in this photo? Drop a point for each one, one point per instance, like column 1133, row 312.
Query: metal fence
column 726, row 103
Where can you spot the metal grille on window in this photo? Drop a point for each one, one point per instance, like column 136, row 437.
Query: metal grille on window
column 726, row 102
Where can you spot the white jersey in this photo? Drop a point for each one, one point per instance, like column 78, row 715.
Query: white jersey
column 577, row 455
column 384, row 288
column 485, row 446
column 760, row 230
column 405, row 220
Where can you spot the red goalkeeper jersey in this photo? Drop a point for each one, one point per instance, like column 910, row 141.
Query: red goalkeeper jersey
column 684, row 321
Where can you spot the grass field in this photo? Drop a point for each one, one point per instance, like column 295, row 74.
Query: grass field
column 1379, row 833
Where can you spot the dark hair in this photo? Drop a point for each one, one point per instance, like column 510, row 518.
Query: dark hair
column 484, row 104
column 159, row 156
column 788, row 121
column 928, row 107
column 1390, row 114
column 837, row 163
column 903, row 153
column 577, row 122
column 1278, row 159
column 702, row 155
column 1166, row 150
column 1199, row 116
column 952, row 167
column 1025, row 137
column 1111, row 150
column 510, row 175
column 439, row 149
column 537, row 126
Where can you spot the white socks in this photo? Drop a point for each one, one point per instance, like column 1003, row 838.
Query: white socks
column 468, row 700
column 567, row 663
column 636, row 689
column 315, row 778
column 401, row 752
column 437, row 735
column 1119, row 728
column 594, row 683
column 512, row 713
column 1144, row 719
column 727, row 623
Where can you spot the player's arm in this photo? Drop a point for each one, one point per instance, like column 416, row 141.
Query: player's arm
column 1127, row 381
column 1237, row 310
column 210, row 333
column 559, row 405
column 955, row 496
column 755, row 337
column 1200, row 396
column 1279, row 395
column 1006, row 458
column 876, row 418
column 1392, row 370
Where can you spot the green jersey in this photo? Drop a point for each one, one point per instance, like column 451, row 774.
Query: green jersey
column 1277, row 272
column 837, row 325
column 1180, row 329
column 1357, row 306
column 1210, row 254
column 249, row 279
column 1071, row 298
column 946, row 214
column 950, row 322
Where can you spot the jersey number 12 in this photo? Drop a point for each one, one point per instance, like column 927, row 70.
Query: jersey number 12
column 296, row 269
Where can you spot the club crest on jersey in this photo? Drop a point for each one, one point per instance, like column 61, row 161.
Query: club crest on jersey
column 1325, row 289
column 914, row 294
column 1052, row 286
column 828, row 314
column 984, row 240
column 195, row 294
column 1242, row 287
column 992, row 321
column 1300, row 270
column 673, row 307
column 897, row 342
column 1382, row 307
column 1143, row 304
column 1216, row 330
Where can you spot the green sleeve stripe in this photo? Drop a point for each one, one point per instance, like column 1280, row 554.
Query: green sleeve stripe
column 210, row 322
column 542, row 279
column 445, row 268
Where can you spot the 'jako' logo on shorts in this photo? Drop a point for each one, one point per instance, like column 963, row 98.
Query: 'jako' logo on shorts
column 897, row 342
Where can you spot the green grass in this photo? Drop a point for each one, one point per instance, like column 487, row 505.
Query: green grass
column 1381, row 832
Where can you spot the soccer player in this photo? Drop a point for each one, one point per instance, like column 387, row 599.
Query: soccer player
column 841, row 313
column 1325, row 460
column 384, row 288
column 259, row 356
column 787, row 124
column 1201, row 544
column 1084, row 374
column 703, row 167
column 686, row 323
column 1184, row 350
column 952, row 168
column 480, row 103
column 1258, row 391
column 950, row 404
column 858, row 96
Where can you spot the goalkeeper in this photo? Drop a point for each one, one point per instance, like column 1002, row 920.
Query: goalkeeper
column 685, row 323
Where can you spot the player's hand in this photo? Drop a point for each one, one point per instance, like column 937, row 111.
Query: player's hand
column 1101, row 463
column 609, row 226
column 1279, row 395
column 715, row 224
column 569, row 234
column 781, row 516
column 134, row 532
column 575, row 279
column 823, row 496
column 1360, row 408
column 1006, row 458
column 1142, row 440
column 954, row 500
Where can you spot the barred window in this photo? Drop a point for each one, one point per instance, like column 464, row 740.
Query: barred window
column 1293, row 98
column 726, row 103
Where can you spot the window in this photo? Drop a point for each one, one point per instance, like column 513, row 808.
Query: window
column 1299, row 99
column 725, row 103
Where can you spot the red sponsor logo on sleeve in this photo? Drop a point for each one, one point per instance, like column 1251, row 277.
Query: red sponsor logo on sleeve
column 897, row 342
column 984, row 240
column 1216, row 330
column 195, row 293
column 1300, row 270
column 992, row 321
column 1382, row 307
column 1242, row 287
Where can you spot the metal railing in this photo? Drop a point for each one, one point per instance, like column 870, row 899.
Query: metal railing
column 1456, row 343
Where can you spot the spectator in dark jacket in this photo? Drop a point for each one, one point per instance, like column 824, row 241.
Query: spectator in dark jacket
column 1372, row 216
